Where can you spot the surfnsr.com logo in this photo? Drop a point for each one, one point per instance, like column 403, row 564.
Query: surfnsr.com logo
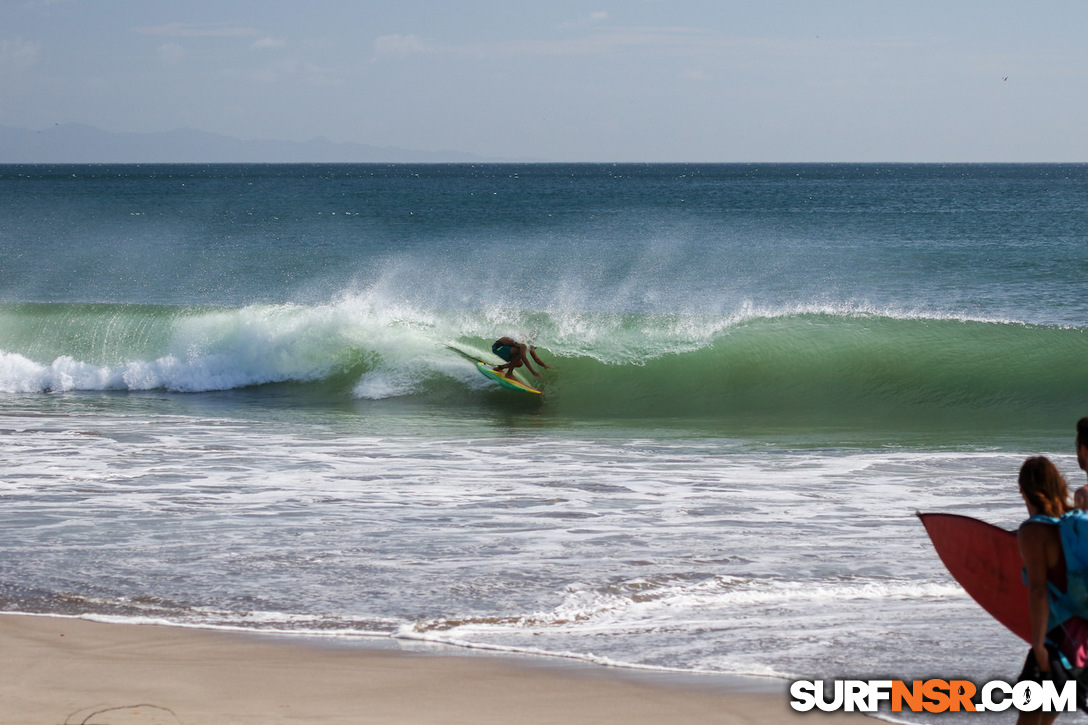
column 931, row 696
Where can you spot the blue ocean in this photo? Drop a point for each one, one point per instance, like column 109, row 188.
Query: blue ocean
column 242, row 396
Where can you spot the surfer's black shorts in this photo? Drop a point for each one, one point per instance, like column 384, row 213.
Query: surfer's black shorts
column 502, row 351
column 1058, row 673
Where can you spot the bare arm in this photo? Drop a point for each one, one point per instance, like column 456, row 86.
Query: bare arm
column 522, row 358
column 1035, row 543
column 541, row 363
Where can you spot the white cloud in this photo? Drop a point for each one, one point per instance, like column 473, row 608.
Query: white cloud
column 678, row 39
column 267, row 42
column 202, row 30
column 172, row 53
column 400, row 45
column 694, row 74
column 288, row 69
column 17, row 54
column 593, row 18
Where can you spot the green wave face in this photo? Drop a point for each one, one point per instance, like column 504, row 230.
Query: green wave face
column 788, row 370
column 827, row 370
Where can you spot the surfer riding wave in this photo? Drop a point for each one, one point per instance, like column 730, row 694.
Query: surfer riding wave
column 514, row 353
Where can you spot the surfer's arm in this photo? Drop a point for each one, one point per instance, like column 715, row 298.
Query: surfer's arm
column 541, row 363
column 1034, row 540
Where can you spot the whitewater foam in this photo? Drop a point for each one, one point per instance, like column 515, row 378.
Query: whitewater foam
column 834, row 365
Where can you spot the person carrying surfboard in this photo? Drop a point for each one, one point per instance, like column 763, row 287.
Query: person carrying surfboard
column 1080, row 496
column 513, row 352
column 1052, row 545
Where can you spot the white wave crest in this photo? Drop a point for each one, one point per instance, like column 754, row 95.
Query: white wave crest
column 641, row 604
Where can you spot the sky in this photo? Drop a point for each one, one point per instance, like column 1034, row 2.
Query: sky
column 562, row 80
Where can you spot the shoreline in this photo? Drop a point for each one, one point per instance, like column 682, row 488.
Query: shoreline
column 67, row 670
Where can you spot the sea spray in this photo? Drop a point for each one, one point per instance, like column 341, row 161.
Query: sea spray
column 832, row 367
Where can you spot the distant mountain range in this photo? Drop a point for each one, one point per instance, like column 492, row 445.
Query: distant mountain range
column 75, row 143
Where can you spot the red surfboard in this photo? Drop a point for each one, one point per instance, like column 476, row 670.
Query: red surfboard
column 986, row 561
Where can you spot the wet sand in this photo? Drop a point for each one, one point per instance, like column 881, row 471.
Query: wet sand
column 63, row 671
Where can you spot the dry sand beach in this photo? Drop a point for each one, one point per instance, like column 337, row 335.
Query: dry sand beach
column 60, row 671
